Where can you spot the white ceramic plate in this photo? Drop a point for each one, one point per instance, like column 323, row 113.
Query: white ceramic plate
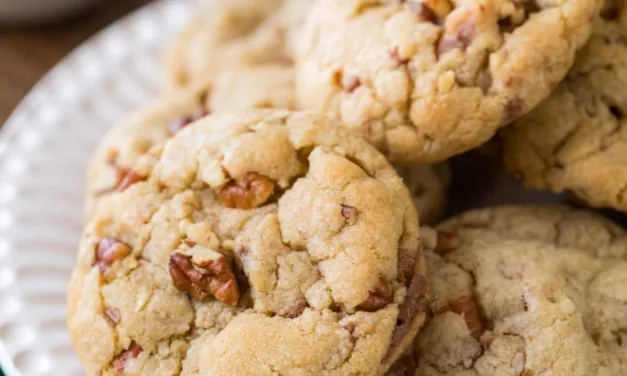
column 44, row 148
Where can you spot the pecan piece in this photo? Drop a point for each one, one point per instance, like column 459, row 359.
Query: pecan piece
column 446, row 242
column 352, row 83
column 395, row 55
column 108, row 251
column 183, row 121
column 467, row 307
column 350, row 327
column 449, row 43
column 129, row 179
column 119, row 174
column 297, row 309
column 180, row 123
column 422, row 11
column 189, row 243
column 380, row 296
column 459, row 29
column 251, row 192
column 350, row 214
column 119, row 362
column 203, row 278
column 113, row 314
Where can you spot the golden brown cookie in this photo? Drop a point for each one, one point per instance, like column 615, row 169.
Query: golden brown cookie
column 252, row 243
column 523, row 291
column 424, row 80
column 576, row 140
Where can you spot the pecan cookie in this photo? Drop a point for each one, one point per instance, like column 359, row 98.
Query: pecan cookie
column 502, row 304
column 427, row 79
column 260, row 86
column 428, row 186
column 576, row 140
column 234, row 33
column 258, row 243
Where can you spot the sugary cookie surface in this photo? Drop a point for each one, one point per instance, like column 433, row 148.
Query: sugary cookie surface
column 427, row 79
column 545, row 298
column 576, row 140
column 258, row 243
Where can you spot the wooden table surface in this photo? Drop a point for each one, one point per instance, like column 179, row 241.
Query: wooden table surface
column 26, row 54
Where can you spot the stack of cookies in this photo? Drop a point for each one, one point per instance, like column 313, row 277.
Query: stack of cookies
column 262, row 217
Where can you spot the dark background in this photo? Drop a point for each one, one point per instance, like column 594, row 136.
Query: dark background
column 28, row 52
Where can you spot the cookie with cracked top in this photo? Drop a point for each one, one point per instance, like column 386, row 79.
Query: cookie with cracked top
column 523, row 291
column 255, row 243
column 576, row 140
column 424, row 80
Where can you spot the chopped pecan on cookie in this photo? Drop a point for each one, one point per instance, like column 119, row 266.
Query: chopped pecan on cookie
column 423, row 11
column 132, row 352
column 467, row 307
column 252, row 191
column 110, row 250
column 129, row 179
column 459, row 30
column 350, row 214
column 379, row 297
column 182, row 121
column 113, row 314
column 204, row 275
